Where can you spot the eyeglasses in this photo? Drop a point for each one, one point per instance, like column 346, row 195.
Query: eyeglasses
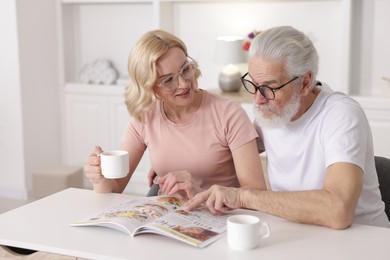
column 171, row 82
column 266, row 91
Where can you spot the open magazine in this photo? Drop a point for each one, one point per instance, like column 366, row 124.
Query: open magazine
column 161, row 215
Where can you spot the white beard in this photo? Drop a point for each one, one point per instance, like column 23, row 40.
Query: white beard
column 280, row 117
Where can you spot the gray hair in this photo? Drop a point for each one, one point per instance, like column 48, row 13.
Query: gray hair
column 289, row 45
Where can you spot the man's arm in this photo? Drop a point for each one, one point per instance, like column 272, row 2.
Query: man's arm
column 333, row 206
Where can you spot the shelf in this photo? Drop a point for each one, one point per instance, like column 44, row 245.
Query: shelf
column 91, row 89
column 241, row 96
column 151, row 1
column 158, row 1
column 352, row 54
column 106, row 1
column 98, row 30
column 88, row 32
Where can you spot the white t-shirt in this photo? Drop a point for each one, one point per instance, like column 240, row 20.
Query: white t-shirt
column 334, row 129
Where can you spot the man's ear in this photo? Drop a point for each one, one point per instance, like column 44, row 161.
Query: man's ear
column 306, row 85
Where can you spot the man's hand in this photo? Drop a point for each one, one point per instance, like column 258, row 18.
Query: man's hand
column 218, row 199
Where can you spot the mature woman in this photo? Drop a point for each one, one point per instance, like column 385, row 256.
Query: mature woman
column 195, row 138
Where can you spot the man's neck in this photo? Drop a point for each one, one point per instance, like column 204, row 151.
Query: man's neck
column 306, row 102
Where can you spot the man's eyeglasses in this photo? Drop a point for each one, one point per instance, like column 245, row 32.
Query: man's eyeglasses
column 266, row 91
column 171, row 82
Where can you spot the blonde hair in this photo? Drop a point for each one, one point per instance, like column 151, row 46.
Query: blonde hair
column 139, row 94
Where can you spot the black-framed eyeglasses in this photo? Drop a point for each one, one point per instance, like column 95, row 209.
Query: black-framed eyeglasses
column 266, row 91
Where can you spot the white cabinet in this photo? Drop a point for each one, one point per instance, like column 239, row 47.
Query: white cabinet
column 107, row 29
column 118, row 118
column 87, row 125
column 96, row 115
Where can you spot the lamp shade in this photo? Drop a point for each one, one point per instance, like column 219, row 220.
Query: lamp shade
column 229, row 50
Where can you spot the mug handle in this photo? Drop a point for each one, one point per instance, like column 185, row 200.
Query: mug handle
column 268, row 232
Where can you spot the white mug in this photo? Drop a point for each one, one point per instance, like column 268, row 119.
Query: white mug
column 244, row 231
column 114, row 164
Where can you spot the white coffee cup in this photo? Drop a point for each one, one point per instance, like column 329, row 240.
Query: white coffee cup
column 244, row 231
column 114, row 164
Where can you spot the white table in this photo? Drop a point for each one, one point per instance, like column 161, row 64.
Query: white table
column 43, row 226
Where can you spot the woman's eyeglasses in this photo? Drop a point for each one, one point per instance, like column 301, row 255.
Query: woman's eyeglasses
column 171, row 82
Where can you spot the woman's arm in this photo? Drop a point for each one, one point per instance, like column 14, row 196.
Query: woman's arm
column 248, row 166
column 92, row 171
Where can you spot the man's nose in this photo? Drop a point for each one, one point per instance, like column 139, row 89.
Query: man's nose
column 259, row 99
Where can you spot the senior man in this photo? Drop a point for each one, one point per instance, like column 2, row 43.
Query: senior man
column 320, row 157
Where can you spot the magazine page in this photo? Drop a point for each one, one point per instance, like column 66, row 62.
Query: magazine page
column 130, row 215
column 197, row 227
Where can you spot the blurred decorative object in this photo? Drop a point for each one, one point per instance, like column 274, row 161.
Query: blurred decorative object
column 385, row 86
column 100, row 71
column 229, row 53
column 248, row 39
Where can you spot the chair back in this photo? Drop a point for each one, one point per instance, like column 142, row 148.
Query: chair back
column 382, row 166
column 153, row 191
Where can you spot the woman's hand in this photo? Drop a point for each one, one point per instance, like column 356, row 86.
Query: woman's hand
column 178, row 182
column 92, row 167
column 151, row 175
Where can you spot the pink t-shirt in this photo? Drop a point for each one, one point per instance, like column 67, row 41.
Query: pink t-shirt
column 201, row 146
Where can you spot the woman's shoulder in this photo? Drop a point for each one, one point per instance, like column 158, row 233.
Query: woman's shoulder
column 152, row 113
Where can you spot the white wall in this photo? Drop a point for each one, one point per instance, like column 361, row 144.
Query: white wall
column 29, row 124
column 39, row 80
column 372, row 41
column 12, row 181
